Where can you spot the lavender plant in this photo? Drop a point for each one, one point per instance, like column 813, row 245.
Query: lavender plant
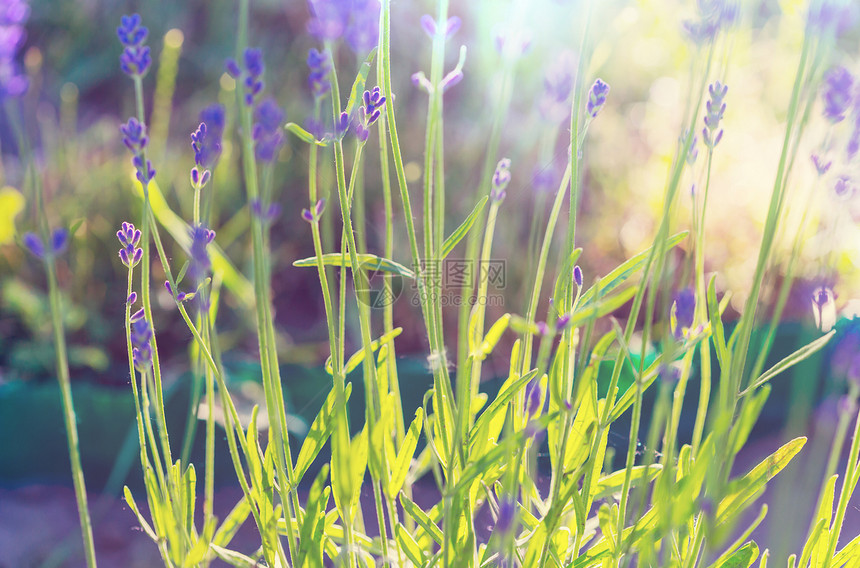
column 679, row 506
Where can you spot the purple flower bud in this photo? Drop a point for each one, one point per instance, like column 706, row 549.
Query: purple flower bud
column 141, row 340
column 307, row 216
column 562, row 322
column 683, row 312
column 137, row 316
column 542, row 328
column 34, row 244
column 420, row 80
column 820, row 165
column 577, row 275
column 319, row 207
column 132, row 298
column 232, row 68
column 200, row 264
column 428, row 24
column 844, row 188
column 451, row 79
column 501, row 179
column 596, row 98
column 135, row 59
column 451, row 26
column 59, row 240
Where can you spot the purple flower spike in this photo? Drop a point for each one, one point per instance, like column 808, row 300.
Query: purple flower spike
column 330, row 18
column 319, row 64
column 250, row 74
column 267, row 130
column 135, row 59
column 715, row 109
column 683, row 312
column 596, row 98
column 837, row 93
column 554, row 103
column 200, row 264
column 134, row 135
column 13, row 15
column 501, row 179
column 362, row 33
column 141, row 341
column 507, row 514
column 206, row 144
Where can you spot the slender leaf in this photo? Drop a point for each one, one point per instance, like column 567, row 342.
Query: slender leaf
column 463, row 230
column 367, row 261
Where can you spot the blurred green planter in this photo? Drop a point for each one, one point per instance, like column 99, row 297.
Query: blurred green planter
column 33, row 443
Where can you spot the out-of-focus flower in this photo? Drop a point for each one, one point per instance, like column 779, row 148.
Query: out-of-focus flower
column 141, row 338
column 554, row 104
column 362, row 32
column 250, row 75
column 58, row 244
column 837, row 93
column 319, row 63
column 715, row 109
column 683, row 312
column 268, row 136
column 713, row 16
column 200, row 264
column 501, row 179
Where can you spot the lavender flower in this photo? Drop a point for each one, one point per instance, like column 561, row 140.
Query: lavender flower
column 713, row 15
column 820, row 165
column 329, row 19
column 251, row 74
column 135, row 139
column 501, row 179
column 141, row 341
column 206, row 146
column 596, row 98
column 58, row 244
column 507, row 515
column 369, row 113
column 683, row 312
column 129, row 237
column 715, row 107
column 180, row 296
column 135, row 59
column 846, row 353
column 428, row 24
column 693, row 152
column 362, row 33
column 836, row 93
column 844, row 187
column 13, row 16
column 511, row 42
column 577, row 275
column 200, row 264
column 265, row 214
column 557, row 85
column 314, row 216
column 320, row 66
column 534, row 396
column 268, row 137
column 854, row 140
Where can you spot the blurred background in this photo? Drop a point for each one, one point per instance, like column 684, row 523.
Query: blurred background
column 78, row 97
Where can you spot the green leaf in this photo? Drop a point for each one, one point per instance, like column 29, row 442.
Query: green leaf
column 234, row 558
column 367, row 262
column 409, row 546
column 360, row 79
column 796, row 357
column 749, row 415
column 321, row 429
column 420, row 517
column 742, row 558
column 603, row 306
column 231, row 524
column 509, row 389
column 357, row 357
column 133, row 506
column 618, row 276
column 563, row 281
column 748, row 487
column 613, row 482
column 300, row 133
column 494, row 335
column 463, row 230
column 850, row 551
column 404, row 456
column 718, row 333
